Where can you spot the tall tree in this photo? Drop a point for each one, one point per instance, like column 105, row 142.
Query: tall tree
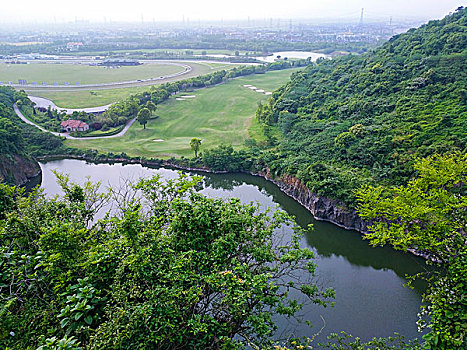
column 195, row 144
column 143, row 116
column 151, row 106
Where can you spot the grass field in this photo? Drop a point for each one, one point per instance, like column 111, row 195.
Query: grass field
column 220, row 114
column 82, row 73
column 98, row 97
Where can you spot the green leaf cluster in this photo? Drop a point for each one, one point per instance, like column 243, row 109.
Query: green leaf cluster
column 429, row 215
column 166, row 268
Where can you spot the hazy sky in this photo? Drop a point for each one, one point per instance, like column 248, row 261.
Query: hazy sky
column 194, row 10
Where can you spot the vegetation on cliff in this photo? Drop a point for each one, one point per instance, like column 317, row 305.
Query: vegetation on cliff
column 12, row 144
column 363, row 119
column 19, row 137
column 429, row 215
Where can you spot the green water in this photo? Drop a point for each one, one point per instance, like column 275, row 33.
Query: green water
column 371, row 299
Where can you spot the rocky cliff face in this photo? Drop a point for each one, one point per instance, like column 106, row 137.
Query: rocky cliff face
column 322, row 208
column 17, row 170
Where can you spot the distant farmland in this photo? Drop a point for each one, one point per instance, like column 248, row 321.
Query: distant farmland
column 81, row 73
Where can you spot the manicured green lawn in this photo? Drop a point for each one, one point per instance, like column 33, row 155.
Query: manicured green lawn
column 82, row 73
column 100, row 97
column 85, row 98
column 220, row 114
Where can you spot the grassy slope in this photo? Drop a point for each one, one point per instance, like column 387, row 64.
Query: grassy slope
column 220, row 114
column 98, row 97
column 363, row 119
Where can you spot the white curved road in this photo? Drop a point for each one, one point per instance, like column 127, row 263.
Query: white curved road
column 65, row 135
column 45, row 103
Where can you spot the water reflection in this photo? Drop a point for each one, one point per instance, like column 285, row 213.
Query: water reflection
column 371, row 299
column 327, row 239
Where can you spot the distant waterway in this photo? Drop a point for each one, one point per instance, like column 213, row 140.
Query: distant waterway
column 371, row 299
column 291, row 54
column 272, row 57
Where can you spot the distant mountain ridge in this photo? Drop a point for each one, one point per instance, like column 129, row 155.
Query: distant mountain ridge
column 363, row 119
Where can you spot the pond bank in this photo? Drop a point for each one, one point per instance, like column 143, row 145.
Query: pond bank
column 322, row 208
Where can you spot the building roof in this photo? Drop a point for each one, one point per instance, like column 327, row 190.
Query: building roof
column 71, row 123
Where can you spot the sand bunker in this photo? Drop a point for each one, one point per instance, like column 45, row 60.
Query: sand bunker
column 268, row 93
column 259, row 90
column 158, row 140
column 252, row 87
column 188, row 96
column 247, row 85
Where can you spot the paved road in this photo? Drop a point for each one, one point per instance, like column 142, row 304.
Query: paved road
column 45, row 103
column 65, row 135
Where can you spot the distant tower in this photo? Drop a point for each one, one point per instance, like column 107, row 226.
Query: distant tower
column 390, row 21
column 361, row 17
column 290, row 24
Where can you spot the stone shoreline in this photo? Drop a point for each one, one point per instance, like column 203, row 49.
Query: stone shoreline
column 322, row 208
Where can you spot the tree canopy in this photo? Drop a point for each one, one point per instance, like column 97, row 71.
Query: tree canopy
column 429, row 215
column 143, row 116
column 167, row 269
column 195, row 144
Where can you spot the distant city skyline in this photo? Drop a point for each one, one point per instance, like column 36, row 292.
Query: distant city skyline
column 50, row 11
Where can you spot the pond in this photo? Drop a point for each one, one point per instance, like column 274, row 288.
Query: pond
column 371, row 299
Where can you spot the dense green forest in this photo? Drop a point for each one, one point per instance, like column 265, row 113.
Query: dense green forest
column 384, row 133
column 364, row 119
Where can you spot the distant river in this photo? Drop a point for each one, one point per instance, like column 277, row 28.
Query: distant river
column 370, row 297
column 271, row 58
column 291, row 54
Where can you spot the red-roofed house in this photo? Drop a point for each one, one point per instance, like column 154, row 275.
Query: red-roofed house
column 73, row 125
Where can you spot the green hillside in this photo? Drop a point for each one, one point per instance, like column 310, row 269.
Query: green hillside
column 19, row 142
column 364, row 119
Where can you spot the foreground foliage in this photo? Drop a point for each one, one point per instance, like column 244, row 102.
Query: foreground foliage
column 169, row 269
column 429, row 215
